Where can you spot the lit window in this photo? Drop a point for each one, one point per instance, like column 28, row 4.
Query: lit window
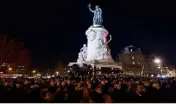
column 132, row 57
column 133, row 62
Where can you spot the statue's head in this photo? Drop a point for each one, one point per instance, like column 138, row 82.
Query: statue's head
column 97, row 7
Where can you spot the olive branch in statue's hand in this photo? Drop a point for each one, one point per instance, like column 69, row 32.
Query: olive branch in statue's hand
column 89, row 5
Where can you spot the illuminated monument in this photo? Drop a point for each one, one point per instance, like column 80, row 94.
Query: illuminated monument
column 96, row 52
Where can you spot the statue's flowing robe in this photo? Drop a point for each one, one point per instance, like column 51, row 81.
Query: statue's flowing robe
column 97, row 17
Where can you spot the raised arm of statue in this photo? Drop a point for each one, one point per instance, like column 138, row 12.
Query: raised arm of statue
column 90, row 8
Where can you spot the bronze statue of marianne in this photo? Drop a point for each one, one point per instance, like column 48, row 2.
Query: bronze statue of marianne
column 97, row 19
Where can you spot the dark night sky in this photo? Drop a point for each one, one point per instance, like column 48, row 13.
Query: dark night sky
column 55, row 30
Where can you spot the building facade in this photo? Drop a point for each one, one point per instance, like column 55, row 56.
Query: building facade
column 14, row 57
column 133, row 61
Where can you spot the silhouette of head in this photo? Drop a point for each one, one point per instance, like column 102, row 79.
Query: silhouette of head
column 97, row 7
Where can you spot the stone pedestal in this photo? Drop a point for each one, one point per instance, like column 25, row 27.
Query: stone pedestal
column 97, row 44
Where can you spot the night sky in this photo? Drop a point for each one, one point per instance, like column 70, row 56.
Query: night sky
column 55, row 30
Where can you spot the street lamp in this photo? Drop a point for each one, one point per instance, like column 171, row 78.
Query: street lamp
column 157, row 61
column 10, row 69
column 57, row 73
column 33, row 71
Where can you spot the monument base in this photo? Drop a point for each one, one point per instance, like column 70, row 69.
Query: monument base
column 95, row 66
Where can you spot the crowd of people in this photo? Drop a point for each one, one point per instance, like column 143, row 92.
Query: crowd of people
column 84, row 89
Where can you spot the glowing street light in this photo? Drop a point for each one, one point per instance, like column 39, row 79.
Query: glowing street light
column 10, row 69
column 157, row 61
column 57, row 73
column 33, row 71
